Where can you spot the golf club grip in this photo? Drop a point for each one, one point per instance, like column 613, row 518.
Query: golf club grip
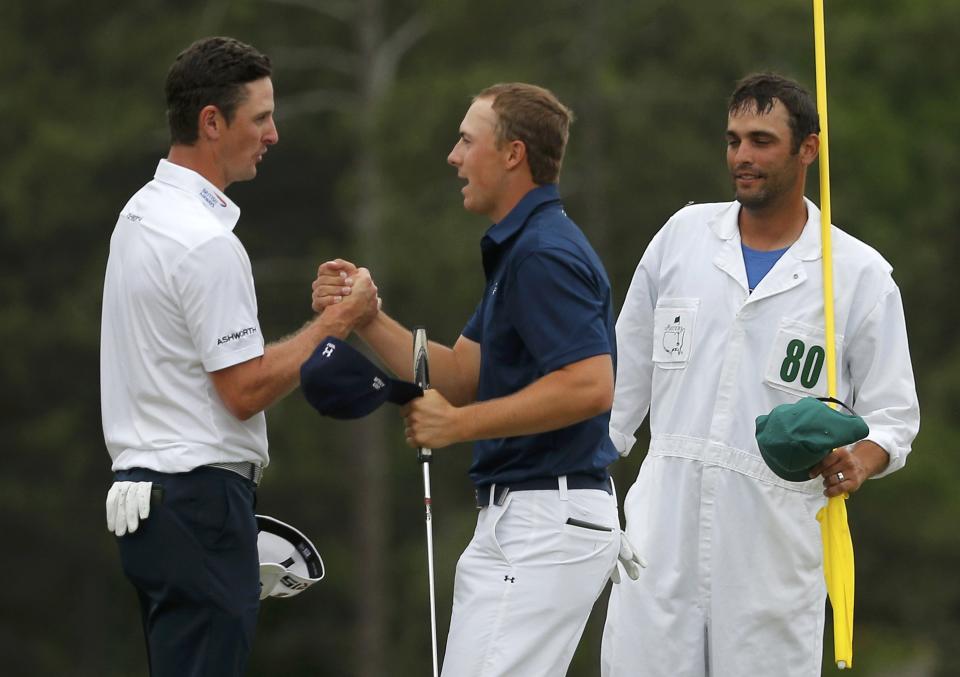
column 421, row 375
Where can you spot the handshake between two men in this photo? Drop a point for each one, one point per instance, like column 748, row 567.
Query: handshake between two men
column 431, row 421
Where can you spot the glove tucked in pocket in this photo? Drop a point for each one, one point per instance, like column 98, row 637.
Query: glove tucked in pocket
column 628, row 559
column 128, row 503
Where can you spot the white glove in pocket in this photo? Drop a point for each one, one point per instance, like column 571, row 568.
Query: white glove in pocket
column 628, row 559
column 127, row 504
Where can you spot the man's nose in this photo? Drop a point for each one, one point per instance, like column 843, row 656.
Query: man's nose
column 272, row 136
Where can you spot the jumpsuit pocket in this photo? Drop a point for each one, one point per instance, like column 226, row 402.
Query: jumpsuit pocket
column 797, row 362
column 674, row 322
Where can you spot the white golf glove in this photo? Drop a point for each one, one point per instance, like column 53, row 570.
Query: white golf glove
column 127, row 504
column 629, row 559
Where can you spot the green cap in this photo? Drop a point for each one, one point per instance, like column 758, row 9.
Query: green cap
column 795, row 437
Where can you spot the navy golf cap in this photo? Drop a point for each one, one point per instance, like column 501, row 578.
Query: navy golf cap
column 340, row 382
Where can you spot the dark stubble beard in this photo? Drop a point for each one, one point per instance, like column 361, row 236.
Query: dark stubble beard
column 776, row 185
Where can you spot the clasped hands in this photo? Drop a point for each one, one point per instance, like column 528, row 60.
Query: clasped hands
column 430, row 421
column 341, row 283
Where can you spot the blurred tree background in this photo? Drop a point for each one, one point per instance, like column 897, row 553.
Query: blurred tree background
column 370, row 95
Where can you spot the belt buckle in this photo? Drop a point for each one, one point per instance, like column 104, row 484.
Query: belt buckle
column 496, row 494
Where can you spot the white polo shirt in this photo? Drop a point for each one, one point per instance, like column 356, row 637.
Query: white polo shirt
column 178, row 302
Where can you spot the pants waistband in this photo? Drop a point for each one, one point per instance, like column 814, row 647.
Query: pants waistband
column 251, row 471
column 499, row 492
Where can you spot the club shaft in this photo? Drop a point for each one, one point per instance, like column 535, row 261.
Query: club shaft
column 421, row 375
column 433, row 595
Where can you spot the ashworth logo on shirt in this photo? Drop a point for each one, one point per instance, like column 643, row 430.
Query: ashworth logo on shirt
column 673, row 336
column 236, row 335
column 212, row 199
column 378, row 383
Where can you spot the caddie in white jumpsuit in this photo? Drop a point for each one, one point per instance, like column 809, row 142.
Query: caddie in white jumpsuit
column 735, row 583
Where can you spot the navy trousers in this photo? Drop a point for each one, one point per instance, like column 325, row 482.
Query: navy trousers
column 194, row 564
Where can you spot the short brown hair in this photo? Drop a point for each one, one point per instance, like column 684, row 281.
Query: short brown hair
column 760, row 91
column 535, row 116
column 211, row 71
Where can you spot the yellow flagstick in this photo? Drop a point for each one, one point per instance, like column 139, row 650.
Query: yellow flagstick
column 838, row 566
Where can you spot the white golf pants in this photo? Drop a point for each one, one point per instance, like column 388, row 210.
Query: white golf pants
column 527, row 581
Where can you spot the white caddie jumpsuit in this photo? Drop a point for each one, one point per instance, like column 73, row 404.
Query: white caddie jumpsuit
column 735, row 582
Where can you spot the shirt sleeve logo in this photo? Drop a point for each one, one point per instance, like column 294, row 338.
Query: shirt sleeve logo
column 236, row 335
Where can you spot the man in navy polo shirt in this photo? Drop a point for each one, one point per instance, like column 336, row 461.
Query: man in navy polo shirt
column 530, row 381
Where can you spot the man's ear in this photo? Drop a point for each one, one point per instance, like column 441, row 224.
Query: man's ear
column 210, row 122
column 809, row 149
column 516, row 153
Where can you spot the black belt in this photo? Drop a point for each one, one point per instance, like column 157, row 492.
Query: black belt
column 501, row 490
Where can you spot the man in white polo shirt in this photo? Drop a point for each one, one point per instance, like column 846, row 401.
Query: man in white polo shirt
column 185, row 375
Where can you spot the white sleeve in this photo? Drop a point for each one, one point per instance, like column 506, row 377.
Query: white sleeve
column 884, row 392
column 219, row 303
column 631, row 399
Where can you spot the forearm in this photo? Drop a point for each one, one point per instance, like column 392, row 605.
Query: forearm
column 257, row 384
column 277, row 372
column 557, row 400
column 393, row 344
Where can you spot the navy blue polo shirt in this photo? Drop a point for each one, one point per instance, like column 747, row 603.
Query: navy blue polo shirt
column 547, row 304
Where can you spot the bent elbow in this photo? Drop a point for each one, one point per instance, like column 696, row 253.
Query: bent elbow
column 602, row 401
column 603, row 392
column 596, row 400
column 241, row 409
column 244, row 415
column 596, row 378
column 606, row 401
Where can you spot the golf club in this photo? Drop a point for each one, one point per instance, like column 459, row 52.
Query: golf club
column 421, row 376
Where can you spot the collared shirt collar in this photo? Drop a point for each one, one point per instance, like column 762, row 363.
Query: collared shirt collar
column 222, row 207
column 513, row 222
column 806, row 247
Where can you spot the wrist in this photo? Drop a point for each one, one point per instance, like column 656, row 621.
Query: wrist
column 872, row 456
column 369, row 325
column 465, row 423
column 365, row 320
column 331, row 322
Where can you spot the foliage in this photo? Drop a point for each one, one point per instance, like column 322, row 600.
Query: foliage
column 82, row 103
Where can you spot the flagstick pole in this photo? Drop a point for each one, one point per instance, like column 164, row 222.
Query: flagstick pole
column 836, row 512
column 825, row 217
